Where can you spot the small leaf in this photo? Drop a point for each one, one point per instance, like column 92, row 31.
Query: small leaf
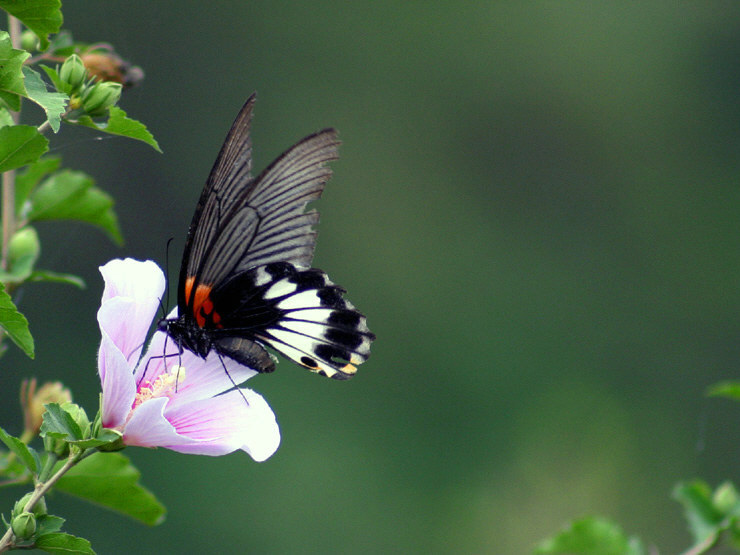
column 704, row 519
column 47, row 524
column 591, row 535
column 63, row 544
column 106, row 437
column 43, row 17
column 53, row 103
column 20, row 145
column 26, row 181
column 728, row 389
column 22, row 451
column 59, row 423
column 110, row 480
column 11, row 74
column 71, row 195
column 119, row 124
column 56, row 277
column 14, row 323
column 62, row 44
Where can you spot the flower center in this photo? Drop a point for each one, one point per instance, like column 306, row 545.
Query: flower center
column 164, row 385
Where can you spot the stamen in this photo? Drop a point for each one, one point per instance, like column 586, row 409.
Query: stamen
column 165, row 385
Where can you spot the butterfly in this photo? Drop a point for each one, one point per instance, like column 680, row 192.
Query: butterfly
column 246, row 280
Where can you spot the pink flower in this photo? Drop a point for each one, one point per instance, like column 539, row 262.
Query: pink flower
column 177, row 401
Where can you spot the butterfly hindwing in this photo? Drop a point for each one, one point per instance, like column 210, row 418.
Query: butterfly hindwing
column 298, row 312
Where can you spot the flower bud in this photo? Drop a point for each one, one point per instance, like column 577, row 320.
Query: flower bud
column 39, row 508
column 29, row 41
column 73, row 73
column 24, row 526
column 23, row 250
column 725, row 498
column 101, row 96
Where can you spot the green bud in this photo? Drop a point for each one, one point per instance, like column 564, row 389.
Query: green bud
column 101, row 96
column 57, row 446
column 24, row 526
column 73, row 73
column 725, row 498
column 23, row 250
column 29, row 41
column 39, row 508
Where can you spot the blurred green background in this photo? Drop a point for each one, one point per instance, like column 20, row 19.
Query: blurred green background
column 537, row 207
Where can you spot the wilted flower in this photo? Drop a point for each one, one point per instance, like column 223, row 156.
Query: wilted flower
column 33, row 401
column 166, row 398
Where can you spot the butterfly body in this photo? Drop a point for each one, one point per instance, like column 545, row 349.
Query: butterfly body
column 245, row 280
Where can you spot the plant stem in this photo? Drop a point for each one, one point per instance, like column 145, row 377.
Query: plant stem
column 6, row 542
column 8, row 181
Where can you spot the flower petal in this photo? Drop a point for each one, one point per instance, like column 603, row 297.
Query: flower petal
column 226, row 423
column 119, row 388
column 149, row 428
column 132, row 278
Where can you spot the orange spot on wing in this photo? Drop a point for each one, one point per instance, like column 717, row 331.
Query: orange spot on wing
column 202, row 304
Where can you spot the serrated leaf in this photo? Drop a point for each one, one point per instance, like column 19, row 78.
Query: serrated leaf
column 28, row 179
column 64, row 544
column 15, row 324
column 11, row 74
column 59, row 423
column 56, row 277
column 53, row 103
column 71, row 195
column 43, row 17
column 728, row 389
column 589, row 536
column 110, row 480
column 21, row 450
column 120, row 124
column 20, row 145
column 704, row 519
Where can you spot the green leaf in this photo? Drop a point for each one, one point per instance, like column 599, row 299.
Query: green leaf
column 47, row 524
column 106, row 437
column 22, row 451
column 53, row 75
column 110, row 480
column 63, row 544
column 591, row 536
column 728, row 389
column 20, row 145
column 53, row 103
column 119, row 124
column 5, row 117
column 32, row 176
column 62, row 44
column 43, row 17
column 704, row 518
column 14, row 323
column 71, row 195
column 56, row 277
column 59, row 423
column 11, row 74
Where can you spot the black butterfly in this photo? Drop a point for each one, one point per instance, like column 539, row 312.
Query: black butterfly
column 245, row 279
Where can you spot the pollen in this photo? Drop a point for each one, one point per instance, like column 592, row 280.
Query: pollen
column 165, row 385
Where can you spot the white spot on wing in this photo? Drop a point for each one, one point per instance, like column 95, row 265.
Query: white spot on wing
column 280, row 289
column 304, row 299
